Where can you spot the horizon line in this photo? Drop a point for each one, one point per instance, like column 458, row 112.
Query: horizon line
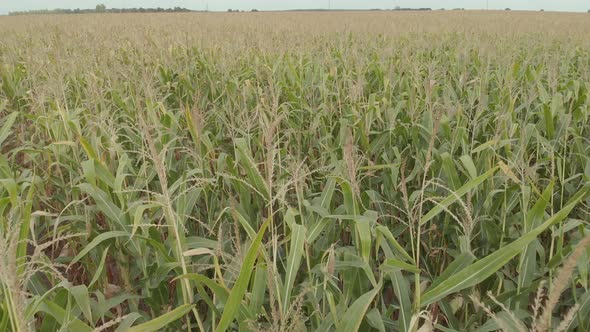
column 408, row 9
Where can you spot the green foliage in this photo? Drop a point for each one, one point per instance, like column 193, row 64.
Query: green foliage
column 101, row 8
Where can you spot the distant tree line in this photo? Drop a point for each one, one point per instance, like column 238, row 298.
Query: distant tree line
column 102, row 9
column 411, row 9
column 241, row 11
column 356, row 10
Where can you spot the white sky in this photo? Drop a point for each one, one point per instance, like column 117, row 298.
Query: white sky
column 222, row 5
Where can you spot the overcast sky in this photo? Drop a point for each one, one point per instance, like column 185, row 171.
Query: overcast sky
column 221, row 5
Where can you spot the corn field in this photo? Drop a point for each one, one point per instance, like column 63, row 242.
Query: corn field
column 351, row 171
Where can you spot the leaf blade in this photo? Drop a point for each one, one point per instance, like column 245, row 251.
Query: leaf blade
column 483, row 268
column 239, row 289
column 165, row 319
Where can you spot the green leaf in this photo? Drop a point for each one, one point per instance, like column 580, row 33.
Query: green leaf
column 80, row 294
column 485, row 267
column 583, row 312
column 401, row 289
column 327, row 193
column 127, row 322
column 457, row 195
column 363, row 228
column 535, row 215
column 349, row 198
column 318, row 225
column 185, row 202
column 317, row 228
column 251, row 169
column 469, row 166
column 528, row 258
column 461, row 262
column 549, row 125
column 104, row 306
column 60, row 315
column 397, row 265
column 138, row 216
column 164, row 320
column 356, row 312
column 104, row 203
column 505, row 322
column 8, row 122
column 12, row 189
column 244, row 222
column 220, row 292
column 25, row 229
column 293, row 262
column 527, row 265
column 450, row 171
column 98, row 240
column 88, row 148
column 259, row 289
column 100, row 267
column 93, row 170
column 239, row 289
column 487, row 145
column 363, row 225
column 375, row 320
column 396, row 246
